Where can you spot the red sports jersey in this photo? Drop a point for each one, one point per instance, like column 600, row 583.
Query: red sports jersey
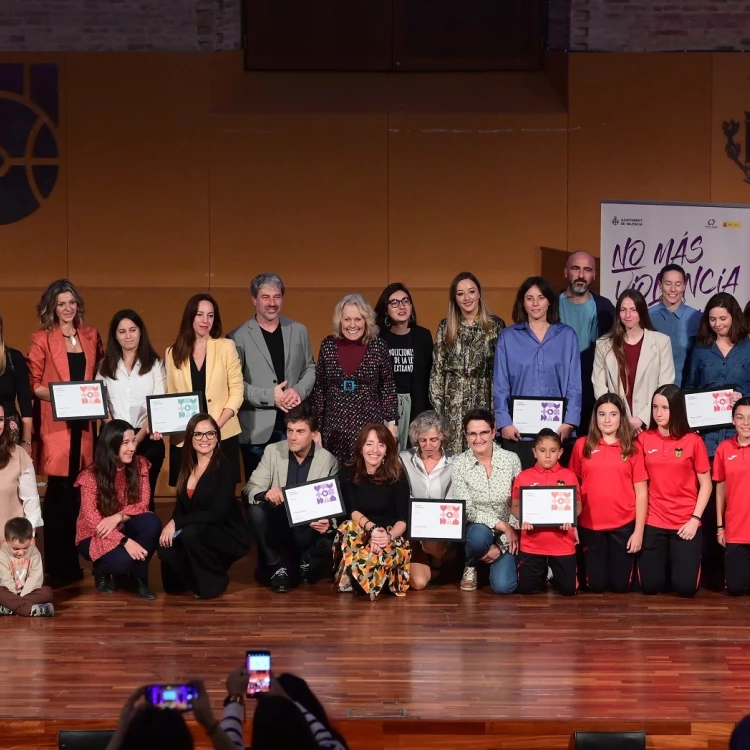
column 547, row 541
column 672, row 466
column 607, row 480
column 732, row 465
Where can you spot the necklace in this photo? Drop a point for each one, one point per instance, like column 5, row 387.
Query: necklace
column 72, row 339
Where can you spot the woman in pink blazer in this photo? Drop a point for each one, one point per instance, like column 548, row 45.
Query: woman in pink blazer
column 64, row 348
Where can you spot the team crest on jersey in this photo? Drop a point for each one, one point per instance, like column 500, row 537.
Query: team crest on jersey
column 623, row 457
column 560, row 483
column 678, row 452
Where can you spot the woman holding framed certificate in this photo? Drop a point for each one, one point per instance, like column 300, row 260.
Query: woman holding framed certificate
column 678, row 491
column 461, row 377
column 132, row 371
column 633, row 359
column 614, row 495
column 721, row 356
column 354, row 382
column 63, row 350
column 202, row 361
column 373, row 546
column 429, row 467
column 115, row 529
column 207, row 533
column 536, row 357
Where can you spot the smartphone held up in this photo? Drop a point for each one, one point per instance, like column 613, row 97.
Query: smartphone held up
column 259, row 672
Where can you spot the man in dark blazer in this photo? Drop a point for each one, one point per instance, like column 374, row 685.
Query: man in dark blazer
column 277, row 368
column 591, row 316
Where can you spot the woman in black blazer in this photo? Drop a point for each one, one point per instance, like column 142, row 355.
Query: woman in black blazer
column 410, row 347
column 207, row 533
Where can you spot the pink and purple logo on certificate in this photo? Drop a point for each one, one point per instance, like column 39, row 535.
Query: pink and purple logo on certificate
column 325, row 492
column 551, row 411
column 722, row 401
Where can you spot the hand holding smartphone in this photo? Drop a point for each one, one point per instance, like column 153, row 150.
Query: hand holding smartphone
column 177, row 697
column 259, row 672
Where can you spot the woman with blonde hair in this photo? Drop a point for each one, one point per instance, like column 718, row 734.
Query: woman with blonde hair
column 463, row 361
column 63, row 349
column 354, row 382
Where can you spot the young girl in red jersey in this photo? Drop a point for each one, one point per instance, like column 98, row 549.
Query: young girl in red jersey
column 614, row 496
column 553, row 548
column 678, row 491
column 732, row 472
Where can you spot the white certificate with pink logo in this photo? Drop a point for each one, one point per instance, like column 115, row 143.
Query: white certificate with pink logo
column 80, row 399
column 531, row 414
column 437, row 520
column 709, row 408
column 548, row 506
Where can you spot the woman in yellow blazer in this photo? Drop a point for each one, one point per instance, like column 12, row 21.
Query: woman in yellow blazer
column 201, row 360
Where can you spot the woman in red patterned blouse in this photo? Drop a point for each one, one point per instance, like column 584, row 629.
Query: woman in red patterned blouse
column 114, row 528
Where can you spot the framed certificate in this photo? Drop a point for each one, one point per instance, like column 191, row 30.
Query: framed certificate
column 320, row 498
column 709, row 408
column 548, row 506
column 170, row 413
column 533, row 413
column 78, row 399
column 437, row 520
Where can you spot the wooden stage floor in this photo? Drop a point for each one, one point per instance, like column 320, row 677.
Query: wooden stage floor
column 440, row 654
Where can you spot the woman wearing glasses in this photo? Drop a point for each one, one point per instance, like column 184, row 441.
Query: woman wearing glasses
column 410, row 347
column 207, row 533
column 483, row 478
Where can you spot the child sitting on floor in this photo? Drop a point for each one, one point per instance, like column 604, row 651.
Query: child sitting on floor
column 21, row 573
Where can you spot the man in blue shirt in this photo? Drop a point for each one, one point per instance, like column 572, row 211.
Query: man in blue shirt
column 674, row 318
column 591, row 316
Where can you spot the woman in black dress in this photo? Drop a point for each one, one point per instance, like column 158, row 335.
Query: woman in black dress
column 15, row 393
column 207, row 533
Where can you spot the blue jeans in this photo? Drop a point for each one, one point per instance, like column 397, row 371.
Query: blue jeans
column 503, row 575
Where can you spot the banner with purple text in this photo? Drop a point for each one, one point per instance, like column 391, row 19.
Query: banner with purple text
column 710, row 241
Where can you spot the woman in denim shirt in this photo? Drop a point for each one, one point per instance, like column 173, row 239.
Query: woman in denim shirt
column 721, row 356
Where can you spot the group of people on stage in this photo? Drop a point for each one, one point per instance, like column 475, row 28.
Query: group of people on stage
column 395, row 417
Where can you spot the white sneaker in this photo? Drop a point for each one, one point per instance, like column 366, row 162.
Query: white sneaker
column 5, row 611
column 469, row 579
column 345, row 584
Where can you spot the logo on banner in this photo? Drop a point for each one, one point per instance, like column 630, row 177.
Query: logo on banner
column 733, row 149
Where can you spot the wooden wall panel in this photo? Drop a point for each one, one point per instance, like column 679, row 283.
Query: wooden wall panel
column 639, row 130
column 730, row 101
column 303, row 194
column 39, row 240
column 138, row 171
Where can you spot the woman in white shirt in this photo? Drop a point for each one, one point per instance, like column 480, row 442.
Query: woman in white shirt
column 18, row 492
column 131, row 371
column 428, row 468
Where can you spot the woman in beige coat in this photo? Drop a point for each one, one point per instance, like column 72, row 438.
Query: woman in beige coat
column 633, row 359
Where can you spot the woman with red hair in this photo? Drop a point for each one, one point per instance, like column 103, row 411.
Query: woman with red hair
column 373, row 545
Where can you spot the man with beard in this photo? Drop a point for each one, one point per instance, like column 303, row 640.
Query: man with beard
column 590, row 315
column 277, row 367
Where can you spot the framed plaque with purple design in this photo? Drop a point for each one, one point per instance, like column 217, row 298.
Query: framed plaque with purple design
column 533, row 413
column 313, row 501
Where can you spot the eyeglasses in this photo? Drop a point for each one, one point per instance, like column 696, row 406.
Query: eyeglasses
column 210, row 435
column 475, row 435
column 403, row 302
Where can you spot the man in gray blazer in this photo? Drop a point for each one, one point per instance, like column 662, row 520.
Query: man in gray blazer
column 277, row 367
column 290, row 463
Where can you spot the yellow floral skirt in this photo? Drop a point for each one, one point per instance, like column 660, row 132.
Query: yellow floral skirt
column 372, row 572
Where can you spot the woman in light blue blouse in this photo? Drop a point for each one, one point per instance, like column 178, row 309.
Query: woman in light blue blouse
column 538, row 356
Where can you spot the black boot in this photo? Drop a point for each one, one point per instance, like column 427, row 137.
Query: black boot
column 103, row 581
column 142, row 591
